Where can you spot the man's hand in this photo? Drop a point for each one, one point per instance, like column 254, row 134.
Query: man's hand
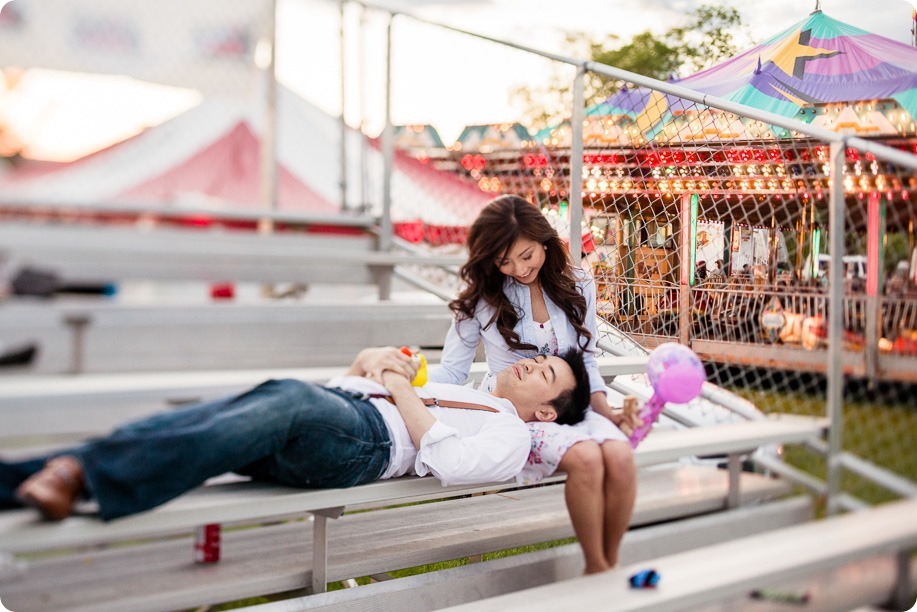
column 374, row 362
column 417, row 417
column 395, row 382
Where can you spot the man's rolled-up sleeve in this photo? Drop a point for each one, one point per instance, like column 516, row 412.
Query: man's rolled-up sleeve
column 496, row 453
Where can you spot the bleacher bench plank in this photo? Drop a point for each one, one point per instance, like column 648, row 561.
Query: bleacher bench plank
column 102, row 254
column 213, row 336
column 712, row 573
column 274, row 558
column 473, row 582
column 33, row 391
column 259, row 501
column 728, row 438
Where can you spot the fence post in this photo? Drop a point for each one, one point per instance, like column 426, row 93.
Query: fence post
column 388, row 158
column 343, row 159
column 875, row 232
column 685, row 271
column 576, row 167
column 269, row 194
column 835, row 372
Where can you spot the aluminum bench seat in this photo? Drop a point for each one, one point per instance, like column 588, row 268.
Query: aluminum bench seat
column 479, row 581
column 275, row 558
column 117, row 337
column 22, row 531
column 86, row 253
column 710, row 574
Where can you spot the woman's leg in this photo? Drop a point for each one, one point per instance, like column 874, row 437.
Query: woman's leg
column 585, row 497
column 620, row 491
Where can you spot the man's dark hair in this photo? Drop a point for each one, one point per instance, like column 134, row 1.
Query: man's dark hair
column 571, row 404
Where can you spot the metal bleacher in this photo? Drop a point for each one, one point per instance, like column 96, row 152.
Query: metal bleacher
column 126, row 360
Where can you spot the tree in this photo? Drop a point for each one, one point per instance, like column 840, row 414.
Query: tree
column 646, row 54
column 708, row 36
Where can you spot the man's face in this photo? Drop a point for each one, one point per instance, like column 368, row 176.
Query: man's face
column 531, row 384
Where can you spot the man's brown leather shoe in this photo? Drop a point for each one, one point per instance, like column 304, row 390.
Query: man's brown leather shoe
column 53, row 490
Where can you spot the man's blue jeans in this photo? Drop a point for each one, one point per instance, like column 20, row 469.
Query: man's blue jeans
column 283, row 431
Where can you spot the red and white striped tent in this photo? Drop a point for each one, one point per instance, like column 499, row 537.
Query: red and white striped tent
column 209, row 156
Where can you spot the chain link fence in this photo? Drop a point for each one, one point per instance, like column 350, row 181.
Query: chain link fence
column 711, row 224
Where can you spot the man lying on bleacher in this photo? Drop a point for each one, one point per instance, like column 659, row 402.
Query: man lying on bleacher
column 366, row 425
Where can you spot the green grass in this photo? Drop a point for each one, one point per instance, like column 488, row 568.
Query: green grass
column 435, row 567
column 879, row 431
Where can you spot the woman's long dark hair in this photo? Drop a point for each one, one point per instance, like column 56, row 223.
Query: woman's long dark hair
column 499, row 224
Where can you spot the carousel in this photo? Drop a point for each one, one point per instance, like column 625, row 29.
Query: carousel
column 712, row 227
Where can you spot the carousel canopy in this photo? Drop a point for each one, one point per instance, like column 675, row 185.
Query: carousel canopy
column 817, row 62
column 493, row 136
column 417, row 137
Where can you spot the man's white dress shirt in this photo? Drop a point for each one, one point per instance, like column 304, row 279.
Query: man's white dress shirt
column 463, row 446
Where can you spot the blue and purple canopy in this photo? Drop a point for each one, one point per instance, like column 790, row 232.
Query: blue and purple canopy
column 816, row 61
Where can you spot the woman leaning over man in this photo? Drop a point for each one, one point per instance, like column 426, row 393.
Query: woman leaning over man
column 522, row 298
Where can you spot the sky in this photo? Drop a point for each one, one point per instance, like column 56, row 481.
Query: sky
column 451, row 81
column 445, row 79
column 526, row 19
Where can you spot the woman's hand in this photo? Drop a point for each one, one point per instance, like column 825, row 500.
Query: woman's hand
column 624, row 421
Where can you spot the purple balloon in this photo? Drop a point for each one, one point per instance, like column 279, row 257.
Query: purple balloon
column 677, row 375
column 675, row 372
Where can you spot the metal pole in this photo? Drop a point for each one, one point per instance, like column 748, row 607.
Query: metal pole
column 685, row 306
column 576, row 168
column 875, row 224
column 343, row 182
column 388, row 156
column 363, row 197
column 269, row 133
column 835, row 370
column 77, row 323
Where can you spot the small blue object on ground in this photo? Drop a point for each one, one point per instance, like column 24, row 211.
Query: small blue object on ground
column 644, row 579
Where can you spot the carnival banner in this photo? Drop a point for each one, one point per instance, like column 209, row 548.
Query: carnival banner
column 749, row 248
column 711, row 243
